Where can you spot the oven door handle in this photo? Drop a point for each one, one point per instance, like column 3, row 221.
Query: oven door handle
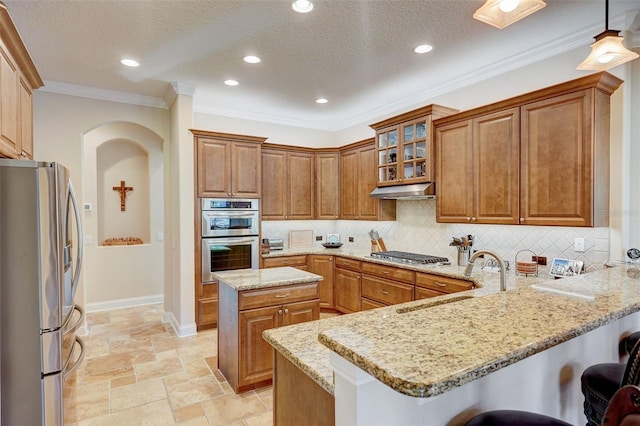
column 229, row 214
column 230, row 242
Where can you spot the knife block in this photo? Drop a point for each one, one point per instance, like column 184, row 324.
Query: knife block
column 378, row 245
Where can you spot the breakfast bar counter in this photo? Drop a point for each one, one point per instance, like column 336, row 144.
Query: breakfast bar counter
column 522, row 349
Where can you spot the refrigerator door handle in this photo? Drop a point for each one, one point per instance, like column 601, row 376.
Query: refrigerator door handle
column 79, row 254
column 68, row 368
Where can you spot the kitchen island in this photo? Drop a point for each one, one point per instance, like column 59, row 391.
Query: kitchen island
column 429, row 362
column 251, row 301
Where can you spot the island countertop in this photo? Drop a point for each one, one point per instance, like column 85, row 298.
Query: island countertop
column 427, row 347
column 253, row 279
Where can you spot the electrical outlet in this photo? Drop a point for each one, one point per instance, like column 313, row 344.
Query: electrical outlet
column 578, row 244
column 318, row 237
column 541, row 260
column 351, row 239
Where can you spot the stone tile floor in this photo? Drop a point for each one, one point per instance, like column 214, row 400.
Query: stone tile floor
column 136, row 371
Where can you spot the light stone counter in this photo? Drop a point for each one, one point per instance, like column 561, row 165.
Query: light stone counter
column 253, row 279
column 426, row 348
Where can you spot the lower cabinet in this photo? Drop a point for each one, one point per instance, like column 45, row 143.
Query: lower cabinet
column 297, row 261
column 207, row 308
column 384, row 291
column 323, row 265
column 347, row 290
column 244, row 358
column 430, row 285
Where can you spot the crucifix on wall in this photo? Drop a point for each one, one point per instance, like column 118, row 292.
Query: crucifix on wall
column 122, row 189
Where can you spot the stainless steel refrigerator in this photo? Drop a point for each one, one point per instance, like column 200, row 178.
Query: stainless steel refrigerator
column 40, row 261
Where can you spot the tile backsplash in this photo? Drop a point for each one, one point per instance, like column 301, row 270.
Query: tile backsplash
column 416, row 230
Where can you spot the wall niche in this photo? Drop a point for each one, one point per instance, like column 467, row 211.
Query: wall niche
column 116, row 161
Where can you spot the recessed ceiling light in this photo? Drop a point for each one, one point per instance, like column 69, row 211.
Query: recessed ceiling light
column 423, row 48
column 231, row 82
column 321, row 101
column 302, row 6
column 130, row 62
column 250, row 59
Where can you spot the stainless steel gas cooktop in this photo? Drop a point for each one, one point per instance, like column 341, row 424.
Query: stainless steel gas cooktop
column 410, row 258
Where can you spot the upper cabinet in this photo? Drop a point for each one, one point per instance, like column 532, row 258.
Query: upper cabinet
column 327, row 184
column 538, row 159
column 228, row 165
column 288, row 174
column 404, row 146
column 18, row 79
column 357, row 180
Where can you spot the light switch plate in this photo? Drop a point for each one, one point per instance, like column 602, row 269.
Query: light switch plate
column 578, row 244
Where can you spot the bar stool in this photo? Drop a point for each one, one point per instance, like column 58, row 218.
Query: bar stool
column 601, row 381
column 513, row 417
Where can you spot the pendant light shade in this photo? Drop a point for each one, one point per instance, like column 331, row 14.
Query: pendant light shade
column 607, row 51
column 502, row 13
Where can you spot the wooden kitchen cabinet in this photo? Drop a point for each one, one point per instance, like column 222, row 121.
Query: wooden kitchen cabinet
column 404, row 146
column 478, row 165
column 323, row 265
column 18, row 79
column 347, row 290
column 357, row 180
column 289, row 190
column 431, row 285
column 207, row 305
column 248, row 359
column 327, row 185
column 541, row 158
column 228, row 165
column 385, row 291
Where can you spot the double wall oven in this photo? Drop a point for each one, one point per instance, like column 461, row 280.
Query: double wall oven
column 230, row 229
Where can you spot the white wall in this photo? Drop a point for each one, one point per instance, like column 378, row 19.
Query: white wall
column 60, row 122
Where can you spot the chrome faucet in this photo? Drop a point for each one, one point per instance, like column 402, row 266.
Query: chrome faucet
column 503, row 274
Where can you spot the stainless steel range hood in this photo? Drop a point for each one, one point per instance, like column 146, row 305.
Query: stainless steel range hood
column 417, row 191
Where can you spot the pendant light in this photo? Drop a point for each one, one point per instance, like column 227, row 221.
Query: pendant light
column 607, row 51
column 502, row 13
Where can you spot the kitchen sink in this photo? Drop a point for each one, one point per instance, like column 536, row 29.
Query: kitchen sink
column 431, row 303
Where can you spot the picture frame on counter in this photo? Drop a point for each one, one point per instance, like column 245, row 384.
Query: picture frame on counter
column 566, row 267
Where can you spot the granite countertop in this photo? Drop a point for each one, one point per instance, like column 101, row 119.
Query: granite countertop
column 427, row 347
column 253, row 279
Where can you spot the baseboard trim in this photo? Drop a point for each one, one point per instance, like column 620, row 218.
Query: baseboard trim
column 124, row 303
column 181, row 330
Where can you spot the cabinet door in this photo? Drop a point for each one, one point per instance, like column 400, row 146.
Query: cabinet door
column 348, row 185
column 496, row 159
column 454, row 156
column 213, row 168
column 347, row 291
column 207, row 306
column 416, row 156
column 296, row 313
column 367, row 173
column 323, row 265
column 389, row 154
column 26, row 120
column 246, row 176
column 327, row 185
column 301, row 185
column 9, row 95
column 274, row 192
column 556, row 161
column 256, row 355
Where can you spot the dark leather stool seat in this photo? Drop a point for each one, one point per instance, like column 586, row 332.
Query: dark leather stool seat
column 512, row 417
column 599, row 383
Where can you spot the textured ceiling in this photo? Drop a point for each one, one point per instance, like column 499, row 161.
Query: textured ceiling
column 356, row 53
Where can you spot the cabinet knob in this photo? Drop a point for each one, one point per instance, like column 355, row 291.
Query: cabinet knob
column 330, row 258
column 522, row 219
column 384, row 292
column 473, row 219
column 286, row 311
column 468, row 219
column 279, row 311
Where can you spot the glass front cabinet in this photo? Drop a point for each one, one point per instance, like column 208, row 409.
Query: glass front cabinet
column 404, row 146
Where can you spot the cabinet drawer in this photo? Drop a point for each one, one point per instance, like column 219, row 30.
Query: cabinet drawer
column 425, row 293
column 346, row 263
column 209, row 290
column 370, row 304
column 274, row 262
column 390, row 272
column 385, row 291
column 277, row 296
column 442, row 284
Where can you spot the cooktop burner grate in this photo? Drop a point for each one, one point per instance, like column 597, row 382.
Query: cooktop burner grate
column 405, row 257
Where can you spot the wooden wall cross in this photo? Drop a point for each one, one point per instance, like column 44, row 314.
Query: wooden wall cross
column 123, row 193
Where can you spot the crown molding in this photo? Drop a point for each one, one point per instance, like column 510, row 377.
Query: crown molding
column 101, row 94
